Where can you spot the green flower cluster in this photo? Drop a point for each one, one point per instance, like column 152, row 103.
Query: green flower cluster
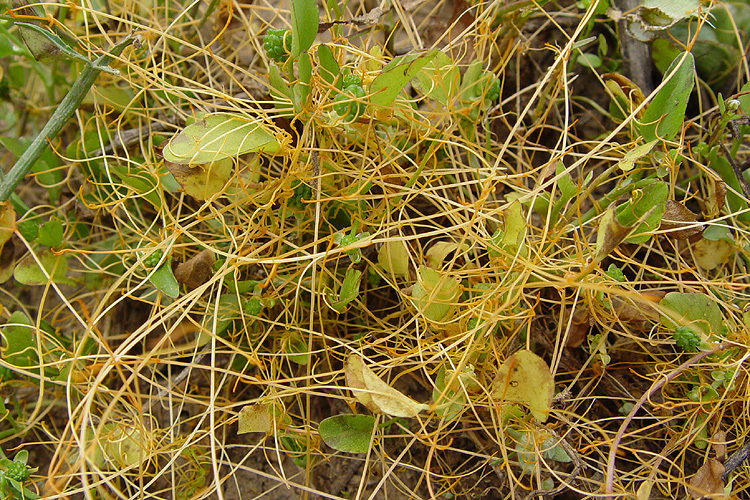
column 350, row 102
column 277, row 44
column 153, row 259
column 302, row 191
column 686, row 339
column 493, row 92
column 18, row 471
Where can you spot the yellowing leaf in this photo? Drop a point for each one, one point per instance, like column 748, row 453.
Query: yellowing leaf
column 644, row 490
column 221, row 136
column 393, row 257
column 435, row 295
column 355, row 380
column 202, row 181
column 712, row 254
column 437, row 253
column 515, row 227
column 257, row 418
column 7, row 222
column 609, row 235
column 525, row 378
column 119, row 445
column 375, row 394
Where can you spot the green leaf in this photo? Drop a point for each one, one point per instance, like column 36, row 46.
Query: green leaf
column 665, row 113
column 553, row 451
column 395, row 75
column 349, row 290
column 645, row 208
column 514, row 228
column 435, row 295
column 329, row 67
column 228, row 311
column 449, row 401
column 744, row 98
column 469, row 88
column 589, row 60
column 696, row 310
column 348, row 433
column 628, row 160
column 143, row 182
column 164, row 281
column 28, row 271
column 304, row 25
column 568, row 191
column 667, row 12
column 438, row 79
column 279, row 87
column 29, row 228
column 51, row 233
column 296, row 348
column 302, row 88
column 19, row 346
column 220, row 136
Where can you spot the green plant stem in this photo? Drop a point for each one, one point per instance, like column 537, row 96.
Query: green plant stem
column 608, row 198
column 59, row 118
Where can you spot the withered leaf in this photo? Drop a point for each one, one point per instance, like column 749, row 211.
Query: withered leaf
column 375, row 394
column 679, row 221
column 196, row 271
column 717, row 191
column 707, row 481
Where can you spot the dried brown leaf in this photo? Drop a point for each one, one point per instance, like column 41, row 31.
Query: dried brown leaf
column 679, row 221
column 717, row 191
column 196, row 271
column 707, row 481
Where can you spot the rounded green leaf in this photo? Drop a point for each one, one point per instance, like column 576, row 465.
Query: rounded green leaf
column 348, row 433
column 29, row 272
column 696, row 309
column 51, row 233
column 222, row 135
